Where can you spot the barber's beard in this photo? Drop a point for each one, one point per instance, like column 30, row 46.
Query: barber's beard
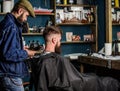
column 58, row 49
column 20, row 18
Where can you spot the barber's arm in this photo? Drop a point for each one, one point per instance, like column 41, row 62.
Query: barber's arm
column 11, row 46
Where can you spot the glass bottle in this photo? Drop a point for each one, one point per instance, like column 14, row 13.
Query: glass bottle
column 58, row 1
column 92, row 18
column 113, row 3
column 116, row 3
column 116, row 47
column 71, row 1
column 65, row 2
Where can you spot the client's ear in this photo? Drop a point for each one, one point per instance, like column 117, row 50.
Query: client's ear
column 54, row 40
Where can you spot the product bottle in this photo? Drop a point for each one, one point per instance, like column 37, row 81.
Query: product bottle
column 89, row 16
column 71, row 1
column 113, row 3
column 92, row 16
column 116, row 3
column 116, row 48
column 65, row 2
column 49, row 22
column 58, row 1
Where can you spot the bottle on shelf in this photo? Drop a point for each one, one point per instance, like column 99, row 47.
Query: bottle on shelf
column 71, row 1
column 92, row 16
column 49, row 22
column 114, row 16
column 65, row 2
column 88, row 16
column 115, row 48
column 113, row 3
column 116, row 3
column 58, row 1
column 79, row 1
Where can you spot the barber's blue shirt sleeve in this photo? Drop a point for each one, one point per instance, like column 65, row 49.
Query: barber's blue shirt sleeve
column 12, row 46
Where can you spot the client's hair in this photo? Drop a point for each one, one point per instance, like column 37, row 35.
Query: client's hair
column 51, row 30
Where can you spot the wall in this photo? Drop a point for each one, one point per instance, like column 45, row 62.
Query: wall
column 101, row 23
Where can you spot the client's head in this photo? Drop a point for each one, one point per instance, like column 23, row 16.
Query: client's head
column 52, row 36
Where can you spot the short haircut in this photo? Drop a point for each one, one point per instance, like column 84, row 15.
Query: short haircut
column 51, row 30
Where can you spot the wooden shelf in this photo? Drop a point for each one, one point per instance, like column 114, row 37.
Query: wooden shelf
column 117, row 41
column 92, row 26
column 75, row 42
column 1, row 13
column 35, row 14
column 34, row 34
column 76, row 24
column 116, row 7
column 115, row 23
column 77, row 5
column 45, row 14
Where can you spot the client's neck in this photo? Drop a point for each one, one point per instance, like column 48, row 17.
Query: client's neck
column 49, row 48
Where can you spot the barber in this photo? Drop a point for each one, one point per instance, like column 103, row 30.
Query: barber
column 12, row 52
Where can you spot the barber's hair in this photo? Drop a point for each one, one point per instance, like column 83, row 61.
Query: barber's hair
column 16, row 8
column 51, row 30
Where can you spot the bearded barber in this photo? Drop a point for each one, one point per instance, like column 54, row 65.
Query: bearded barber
column 12, row 51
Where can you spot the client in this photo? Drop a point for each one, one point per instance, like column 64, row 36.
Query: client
column 52, row 72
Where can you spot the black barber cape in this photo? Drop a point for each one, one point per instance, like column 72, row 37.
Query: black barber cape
column 52, row 72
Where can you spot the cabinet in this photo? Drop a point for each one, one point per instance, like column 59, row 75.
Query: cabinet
column 78, row 16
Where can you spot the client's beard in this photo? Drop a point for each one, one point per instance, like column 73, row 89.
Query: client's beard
column 58, row 49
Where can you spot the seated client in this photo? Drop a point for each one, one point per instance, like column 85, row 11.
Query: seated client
column 52, row 72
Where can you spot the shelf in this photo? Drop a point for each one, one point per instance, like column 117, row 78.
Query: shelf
column 75, row 42
column 77, row 5
column 78, row 20
column 44, row 14
column 116, row 41
column 76, row 24
column 116, row 7
column 2, row 13
column 27, row 34
column 115, row 23
column 35, row 14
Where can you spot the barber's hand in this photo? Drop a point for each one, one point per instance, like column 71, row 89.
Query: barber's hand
column 31, row 53
column 26, row 47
